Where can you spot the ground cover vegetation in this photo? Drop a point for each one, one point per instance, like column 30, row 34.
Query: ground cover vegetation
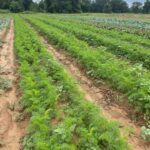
column 128, row 28
column 132, row 47
column 130, row 79
column 60, row 118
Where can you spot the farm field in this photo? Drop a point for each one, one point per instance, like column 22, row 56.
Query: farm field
column 75, row 82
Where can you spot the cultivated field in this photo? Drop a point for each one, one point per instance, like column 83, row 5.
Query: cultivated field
column 75, row 82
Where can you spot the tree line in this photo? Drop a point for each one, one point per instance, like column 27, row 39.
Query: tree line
column 75, row 6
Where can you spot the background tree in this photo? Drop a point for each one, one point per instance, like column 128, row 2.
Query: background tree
column 107, row 7
column 86, row 5
column 4, row 4
column 76, row 6
column 136, row 7
column 146, row 7
column 16, row 6
column 27, row 4
column 50, row 5
column 42, row 6
column 99, row 5
column 63, row 6
column 119, row 6
column 34, row 7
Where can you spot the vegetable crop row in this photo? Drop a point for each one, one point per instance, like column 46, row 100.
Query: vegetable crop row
column 132, row 81
column 114, row 21
column 132, row 52
column 60, row 118
column 131, row 30
column 134, row 39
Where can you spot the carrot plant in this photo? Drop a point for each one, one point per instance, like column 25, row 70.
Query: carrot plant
column 112, row 27
column 133, row 81
column 143, row 33
column 131, row 38
column 131, row 51
column 5, row 84
column 60, row 118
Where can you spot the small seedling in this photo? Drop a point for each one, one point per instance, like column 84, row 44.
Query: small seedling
column 127, row 132
column 5, row 84
column 11, row 107
column 145, row 132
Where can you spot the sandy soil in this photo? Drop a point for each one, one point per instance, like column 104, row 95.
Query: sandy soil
column 10, row 130
column 104, row 97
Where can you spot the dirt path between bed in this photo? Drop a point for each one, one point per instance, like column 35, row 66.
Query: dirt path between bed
column 102, row 96
column 11, row 128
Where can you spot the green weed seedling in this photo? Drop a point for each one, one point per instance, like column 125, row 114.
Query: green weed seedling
column 146, row 133
column 5, row 84
column 127, row 132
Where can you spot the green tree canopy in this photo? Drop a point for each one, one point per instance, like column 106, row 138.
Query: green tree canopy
column 86, row 5
column 136, row 7
column 146, row 7
column 119, row 6
column 4, row 4
column 16, row 6
column 27, row 4
column 75, row 6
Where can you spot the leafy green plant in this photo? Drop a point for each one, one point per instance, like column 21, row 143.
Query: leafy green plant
column 132, row 51
column 146, row 133
column 46, row 87
column 5, row 84
column 132, row 80
column 4, row 22
column 122, row 28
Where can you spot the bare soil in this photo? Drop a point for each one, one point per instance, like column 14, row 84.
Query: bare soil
column 11, row 131
column 105, row 98
column 3, row 33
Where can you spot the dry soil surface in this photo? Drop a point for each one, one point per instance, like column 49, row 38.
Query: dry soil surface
column 11, row 130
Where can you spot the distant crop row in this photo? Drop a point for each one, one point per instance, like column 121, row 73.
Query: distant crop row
column 133, row 80
column 121, row 22
column 143, row 32
column 131, row 51
column 109, row 20
column 60, row 118
column 132, row 38
column 4, row 22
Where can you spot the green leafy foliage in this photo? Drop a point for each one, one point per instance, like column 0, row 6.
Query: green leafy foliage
column 115, row 23
column 130, row 49
column 132, row 80
column 60, row 118
column 146, row 133
column 5, row 84
column 4, row 21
